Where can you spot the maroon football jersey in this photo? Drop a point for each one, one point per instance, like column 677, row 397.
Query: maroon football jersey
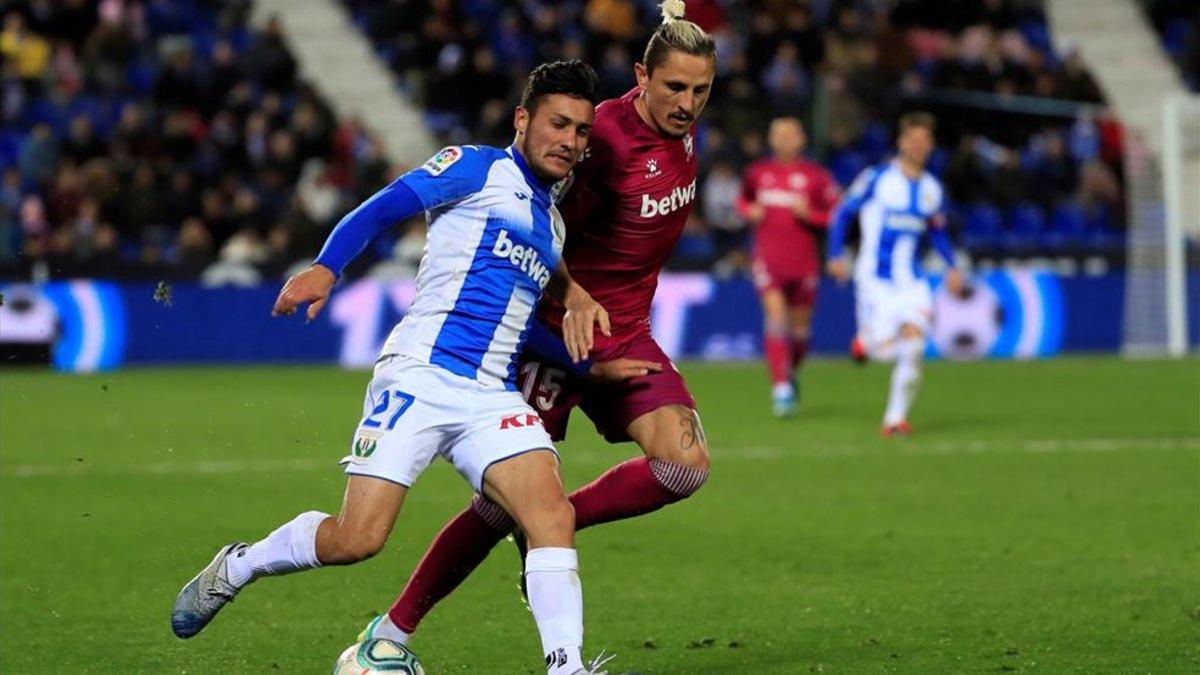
column 783, row 239
column 624, row 210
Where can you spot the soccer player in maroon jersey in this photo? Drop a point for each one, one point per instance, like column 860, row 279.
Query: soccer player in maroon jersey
column 789, row 200
column 624, row 211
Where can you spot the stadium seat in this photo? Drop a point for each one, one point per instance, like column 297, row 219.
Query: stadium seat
column 846, row 166
column 1100, row 234
column 875, row 142
column 1024, row 226
column 984, row 225
column 1068, row 226
column 939, row 159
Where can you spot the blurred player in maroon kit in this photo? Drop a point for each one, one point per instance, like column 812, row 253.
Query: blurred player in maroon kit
column 624, row 210
column 789, row 199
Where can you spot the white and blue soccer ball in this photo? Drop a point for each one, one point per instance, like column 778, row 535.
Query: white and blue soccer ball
column 377, row 656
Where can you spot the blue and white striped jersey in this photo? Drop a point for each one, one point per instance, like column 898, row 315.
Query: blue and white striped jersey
column 495, row 239
column 893, row 213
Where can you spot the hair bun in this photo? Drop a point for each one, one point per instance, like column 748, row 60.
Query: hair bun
column 671, row 10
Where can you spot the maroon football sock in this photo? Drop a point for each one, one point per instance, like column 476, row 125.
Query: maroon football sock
column 633, row 488
column 799, row 352
column 456, row 551
column 778, row 350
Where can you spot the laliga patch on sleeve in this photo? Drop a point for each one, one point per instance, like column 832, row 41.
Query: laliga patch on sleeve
column 443, row 160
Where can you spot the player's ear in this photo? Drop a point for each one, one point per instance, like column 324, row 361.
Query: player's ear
column 643, row 77
column 521, row 120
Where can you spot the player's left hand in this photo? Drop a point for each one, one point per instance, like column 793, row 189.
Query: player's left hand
column 955, row 283
column 311, row 286
column 582, row 316
column 800, row 207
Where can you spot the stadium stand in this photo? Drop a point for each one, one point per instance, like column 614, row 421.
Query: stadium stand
column 166, row 140
column 1178, row 25
column 153, row 139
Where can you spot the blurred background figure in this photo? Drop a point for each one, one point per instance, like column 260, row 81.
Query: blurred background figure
column 789, row 200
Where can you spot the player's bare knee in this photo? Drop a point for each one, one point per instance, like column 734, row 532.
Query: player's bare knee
column 680, row 460
column 552, row 524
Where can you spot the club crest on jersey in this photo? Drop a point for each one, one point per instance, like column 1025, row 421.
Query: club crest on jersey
column 443, row 160
column 652, row 169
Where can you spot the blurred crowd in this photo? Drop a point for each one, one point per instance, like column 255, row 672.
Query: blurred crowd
column 1178, row 25
column 1019, row 183
column 168, row 139
column 164, row 139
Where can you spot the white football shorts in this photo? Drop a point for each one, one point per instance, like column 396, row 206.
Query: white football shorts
column 882, row 307
column 414, row 411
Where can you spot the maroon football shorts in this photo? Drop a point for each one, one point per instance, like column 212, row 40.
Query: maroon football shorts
column 798, row 285
column 553, row 393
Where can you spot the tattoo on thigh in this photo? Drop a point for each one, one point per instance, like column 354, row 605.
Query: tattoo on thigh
column 693, row 433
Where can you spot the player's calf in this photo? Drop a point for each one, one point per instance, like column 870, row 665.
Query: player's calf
column 341, row 545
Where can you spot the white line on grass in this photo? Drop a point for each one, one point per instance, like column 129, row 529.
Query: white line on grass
column 745, row 453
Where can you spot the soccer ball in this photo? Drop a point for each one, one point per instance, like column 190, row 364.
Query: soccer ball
column 377, row 656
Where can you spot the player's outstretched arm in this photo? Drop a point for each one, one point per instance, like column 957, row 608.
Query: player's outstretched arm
column 582, row 316
column 546, row 346
column 449, row 175
column 860, row 191
column 941, row 243
column 391, row 205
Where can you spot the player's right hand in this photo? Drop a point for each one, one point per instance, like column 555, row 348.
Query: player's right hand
column 839, row 269
column 619, row 370
column 582, row 316
column 311, row 286
column 755, row 213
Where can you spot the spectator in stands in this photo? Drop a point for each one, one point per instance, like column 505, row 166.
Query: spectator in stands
column 215, row 133
column 39, row 155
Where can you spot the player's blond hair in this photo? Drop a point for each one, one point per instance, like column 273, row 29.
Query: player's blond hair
column 676, row 34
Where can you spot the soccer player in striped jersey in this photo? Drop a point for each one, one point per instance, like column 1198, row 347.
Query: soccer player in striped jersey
column 446, row 381
column 897, row 203
column 625, row 209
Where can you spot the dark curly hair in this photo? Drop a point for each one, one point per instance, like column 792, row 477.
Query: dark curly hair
column 573, row 78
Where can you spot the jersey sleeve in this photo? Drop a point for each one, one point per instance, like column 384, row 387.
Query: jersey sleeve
column 455, row 172
column 938, row 235
column 393, row 204
column 860, row 191
column 823, row 198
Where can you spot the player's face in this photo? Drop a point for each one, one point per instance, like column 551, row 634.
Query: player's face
column 786, row 138
column 554, row 136
column 677, row 91
column 916, row 143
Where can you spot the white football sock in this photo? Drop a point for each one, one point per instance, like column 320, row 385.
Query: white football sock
column 386, row 630
column 556, row 598
column 882, row 352
column 906, row 376
column 291, row 548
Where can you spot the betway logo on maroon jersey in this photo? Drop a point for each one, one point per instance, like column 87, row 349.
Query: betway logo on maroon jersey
column 678, row 198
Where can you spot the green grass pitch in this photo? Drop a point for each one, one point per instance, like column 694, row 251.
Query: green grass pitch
column 1045, row 518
